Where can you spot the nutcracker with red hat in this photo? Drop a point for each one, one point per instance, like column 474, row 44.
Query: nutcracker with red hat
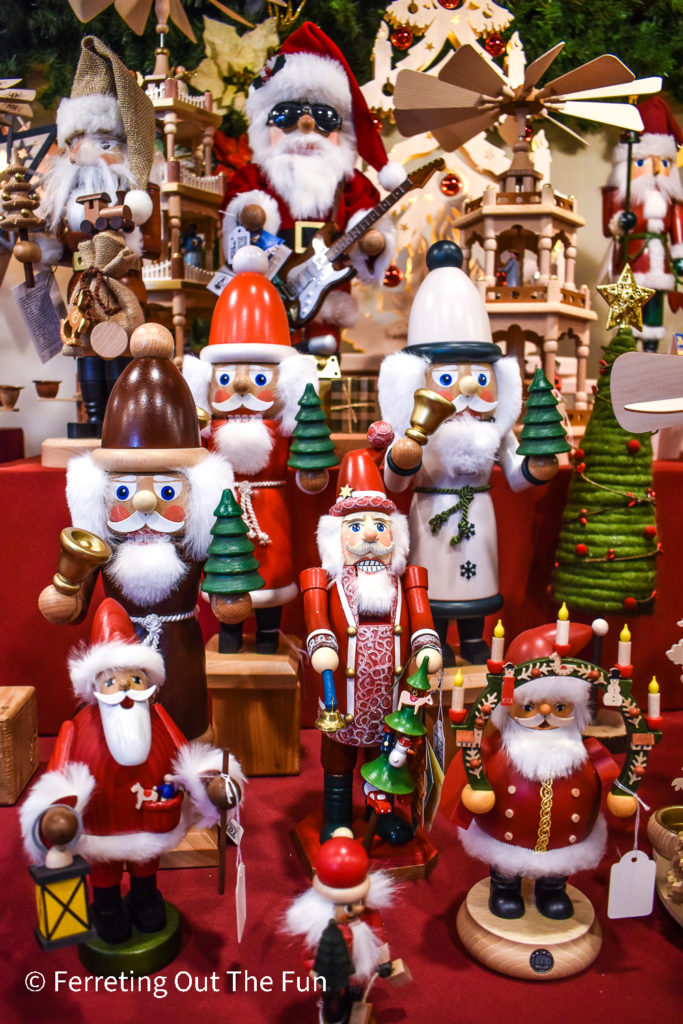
column 367, row 615
column 150, row 492
column 308, row 124
column 525, row 790
column 642, row 211
column 452, row 399
column 251, row 380
column 339, row 920
column 122, row 787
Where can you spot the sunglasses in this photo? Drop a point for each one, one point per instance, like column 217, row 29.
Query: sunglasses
column 285, row 116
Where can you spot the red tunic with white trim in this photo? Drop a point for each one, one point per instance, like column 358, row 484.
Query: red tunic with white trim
column 267, row 516
column 372, row 651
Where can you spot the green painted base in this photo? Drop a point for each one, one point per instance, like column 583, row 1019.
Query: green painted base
column 144, row 953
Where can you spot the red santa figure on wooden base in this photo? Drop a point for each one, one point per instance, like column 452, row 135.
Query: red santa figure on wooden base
column 339, row 920
column 654, row 220
column 123, row 774
column 308, row 124
column 251, row 380
column 150, row 491
column 366, row 615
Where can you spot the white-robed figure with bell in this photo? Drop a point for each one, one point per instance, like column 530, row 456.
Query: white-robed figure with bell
column 462, row 397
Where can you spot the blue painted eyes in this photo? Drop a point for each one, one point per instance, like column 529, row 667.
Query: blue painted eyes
column 380, row 527
column 260, row 379
column 640, row 163
column 168, row 493
column 122, row 492
column 224, row 379
column 446, row 379
column 355, row 527
column 482, row 380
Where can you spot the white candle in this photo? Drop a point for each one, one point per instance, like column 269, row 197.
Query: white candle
column 458, row 695
column 562, row 628
column 498, row 642
column 624, row 648
column 654, row 699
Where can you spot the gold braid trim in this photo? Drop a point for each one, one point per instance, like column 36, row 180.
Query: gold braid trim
column 544, row 821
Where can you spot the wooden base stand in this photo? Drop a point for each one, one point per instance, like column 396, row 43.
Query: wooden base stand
column 532, row 947
column 144, row 953
column 55, row 452
column 255, row 705
column 199, row 849
column 412, row 860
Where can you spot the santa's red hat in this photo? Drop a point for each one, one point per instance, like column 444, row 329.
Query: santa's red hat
column 310, row 67
column 661, row 136
column 360, row 486
column 341, row 870
column 114, row 644
column 249, row 323
column 540, row 642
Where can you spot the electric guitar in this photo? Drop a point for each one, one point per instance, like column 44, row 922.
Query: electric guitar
column 307, row 278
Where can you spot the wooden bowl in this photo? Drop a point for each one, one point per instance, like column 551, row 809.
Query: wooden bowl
column 9, row 394
column 47, row 388
column 663, row 828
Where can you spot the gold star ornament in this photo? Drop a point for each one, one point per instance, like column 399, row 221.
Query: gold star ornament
column 345, row 491
column 625, row 300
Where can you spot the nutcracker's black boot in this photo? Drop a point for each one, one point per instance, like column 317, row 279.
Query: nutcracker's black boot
column 93, row 388
column 109, row 914
column 551, row 897
column 473, row 647
column 394, row 829
column 441, row 627
column 146, row 904
column 337, row 803
column 505, row 896
column 230, row 637
column 268, row 629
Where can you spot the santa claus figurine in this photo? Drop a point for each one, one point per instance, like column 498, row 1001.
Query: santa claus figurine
column 150, row 491
column 308, row 124
column 528, row 796
column 653, row 222
column 106, row 132
column 123, row 779
column 340, row 922
column 453, row 530
column 366, row 615
column 251, row 380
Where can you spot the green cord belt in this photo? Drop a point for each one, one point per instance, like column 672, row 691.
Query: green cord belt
column 465, row 496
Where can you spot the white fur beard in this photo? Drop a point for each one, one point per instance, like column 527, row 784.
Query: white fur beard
column 364, row 949
column 128, row 731
column 147, row 572
column 64, row 182
column 308, row 182
column 463, row 446
column 670, row 186
column 246, row 444
column 375, row 592
column 543, row 753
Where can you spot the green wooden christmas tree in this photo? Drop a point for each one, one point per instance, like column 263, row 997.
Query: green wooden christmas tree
column 543, row 432
column 311, row 449
column 607, row 551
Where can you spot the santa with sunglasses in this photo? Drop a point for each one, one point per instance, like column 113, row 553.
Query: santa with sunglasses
column 308, row 124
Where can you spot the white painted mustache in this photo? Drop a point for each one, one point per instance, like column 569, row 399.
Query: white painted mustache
column 475, row 402
column 137, row 520
column 538, row 719
column 139, row 696
column 246, row 401
column 370, row 548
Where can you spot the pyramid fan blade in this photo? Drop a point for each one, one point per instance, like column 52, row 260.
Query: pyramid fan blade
column 558, row 124
column 456, row 134
column 430, row 119
column 538, row 67
column 86, row 10
column 181, row 20
column 605, row 70
column 623, row 115
column 468, row 69
column 7, row 83
column 639, row 87
column 135, row 14
column 415, row 90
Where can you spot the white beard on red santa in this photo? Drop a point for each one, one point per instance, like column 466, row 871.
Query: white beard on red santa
column 543, row 753
column 246, row 442
column 375, row 590
column 306, row 170
column 146, row 569
column 127, row 724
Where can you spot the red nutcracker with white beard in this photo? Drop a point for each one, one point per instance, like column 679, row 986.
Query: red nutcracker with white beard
column 308, row 124
column 125, row 770
column 453, row 531
column 654, row 221
column 150, row 491
column 251, row 380
column 366, row 615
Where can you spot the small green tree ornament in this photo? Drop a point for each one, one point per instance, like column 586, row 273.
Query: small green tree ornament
column 543, row 432
column 312, row 450
column 231, row 570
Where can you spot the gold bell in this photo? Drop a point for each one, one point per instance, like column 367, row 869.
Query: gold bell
column 429, row 412
column 80, row 552
column 332, row 721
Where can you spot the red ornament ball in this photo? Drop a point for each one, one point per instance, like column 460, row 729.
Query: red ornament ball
column 577, row 456
column 610, row 554
column 650, row 531
column 630, row 604
column 402, row 37
column 450, row 5
column 393, row 276
column 581, row 550
column 633, row 446
column 450, row 184
column 583, row 520
column 495, row 45
column 380, row 435
column 580, row 467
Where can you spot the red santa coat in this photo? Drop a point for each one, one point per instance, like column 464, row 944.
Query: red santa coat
column 262, row 497
column 650, row 259
column 372, row 651
column 373, row 919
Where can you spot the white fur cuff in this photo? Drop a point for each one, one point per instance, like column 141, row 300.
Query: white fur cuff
column 519, row 860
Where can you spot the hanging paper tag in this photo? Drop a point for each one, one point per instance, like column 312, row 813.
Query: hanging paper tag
column 220, row 279
column 234, row 831
column 632, row 886
column 238, row 237
column 241, row 898
column 42, row 308
column 439, row 742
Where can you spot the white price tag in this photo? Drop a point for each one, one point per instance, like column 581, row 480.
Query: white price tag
column 42, row 307
column 238, row 237
column 234, row 831
column 632, row 886
column 241, row 899
column 220, row 279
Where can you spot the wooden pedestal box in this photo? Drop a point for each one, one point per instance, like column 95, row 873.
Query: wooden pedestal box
column 255, row 705
column 18, row 740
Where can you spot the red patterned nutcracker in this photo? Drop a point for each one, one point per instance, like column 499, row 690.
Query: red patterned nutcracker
column 251, row 379
column 125, row 769
column 366, row 614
